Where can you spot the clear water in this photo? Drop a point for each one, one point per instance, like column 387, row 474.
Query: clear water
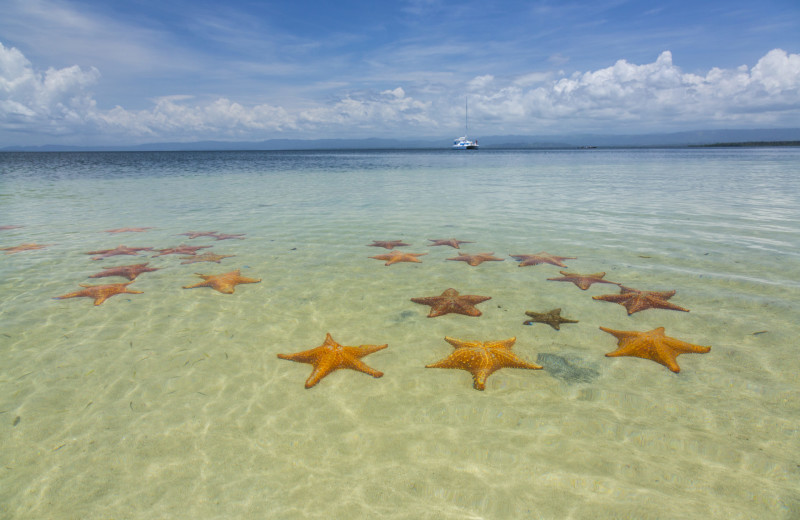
column 173, row 404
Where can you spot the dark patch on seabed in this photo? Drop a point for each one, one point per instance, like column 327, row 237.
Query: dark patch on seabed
column 570, row 369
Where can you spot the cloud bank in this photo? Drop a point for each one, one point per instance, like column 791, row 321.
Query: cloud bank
column 622, row 98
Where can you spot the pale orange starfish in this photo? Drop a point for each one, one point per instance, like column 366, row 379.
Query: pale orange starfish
column 388, row 244
column 180, row 250
column 583, row 281
column 398, row 256
column 126, row 271
column 119, row 250
column 128, row 230
column 100, row 293
column 635, row 300
column 205, row 257
column 22, row 247
column 541, row 258
column 450, row 301
column 653, row 345
column 478, row 259
column 223, row 283
column 482, row 359
column 332, row 356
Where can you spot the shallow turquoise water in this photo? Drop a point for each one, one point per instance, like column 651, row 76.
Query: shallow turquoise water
column 172, row 403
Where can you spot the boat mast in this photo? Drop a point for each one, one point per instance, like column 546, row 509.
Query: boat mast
column 466, row 118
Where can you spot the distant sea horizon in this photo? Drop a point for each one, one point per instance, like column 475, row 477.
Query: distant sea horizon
column 728, row 137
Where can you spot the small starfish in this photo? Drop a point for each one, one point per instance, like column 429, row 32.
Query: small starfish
column 584, row 281
column 119, row 250
column 653, row 345
column 225, row 236
column 180, row 250
column 128, row 230
column 126, row 271
column 482, row 358
column 223, row 283
column 5, row 228
column 100, row 293
column 205, row 257
column 397, row 256
column 195, row 234
column 552, row 318
column 452, row 242
column 332, row 356
column 635, row 300
column 478, row 259
column 23, row 247
column 450, row 301
column 388, row 244
column 541, row 258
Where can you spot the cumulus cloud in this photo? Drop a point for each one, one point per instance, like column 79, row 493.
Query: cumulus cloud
column 622, row 98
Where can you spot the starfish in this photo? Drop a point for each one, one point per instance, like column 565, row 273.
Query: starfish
column 552, row 318
column 119, row 250
column 23, row 247
column 332, row 356
column 396, row 256
column 584, row 281
column 653, row 345
column 127, row 271
column 388, row 244
column 450, row 301
column 223, row 283
column 478, row 259
column 100, row 293
column 225, row 236
column 452, row 242
column 205, row 257
column 195, row 234
column 635, row 300
column 128, row 230
column 482, row 358
column 180, row 250
column 5, row 228
column 541, row 258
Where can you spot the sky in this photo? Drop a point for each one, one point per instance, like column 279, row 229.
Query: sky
column 105, row 72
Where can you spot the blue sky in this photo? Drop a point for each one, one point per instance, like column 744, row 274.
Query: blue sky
column 123, row 72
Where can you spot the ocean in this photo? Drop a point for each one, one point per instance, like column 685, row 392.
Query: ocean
column 173, row 403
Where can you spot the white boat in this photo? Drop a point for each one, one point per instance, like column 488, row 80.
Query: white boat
column 465, row 143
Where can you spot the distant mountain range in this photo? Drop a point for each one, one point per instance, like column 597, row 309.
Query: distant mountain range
column 692, row 138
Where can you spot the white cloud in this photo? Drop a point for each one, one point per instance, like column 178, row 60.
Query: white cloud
column 622, row 98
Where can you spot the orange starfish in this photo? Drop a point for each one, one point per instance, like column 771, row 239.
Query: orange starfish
column 450, row 301
column 126, row 271
column 128, row 230
column 23, row 247
column 195, row 234
column 584, row 281
column 541, row 258
column 397, row 256
column 205, row 257
column 100, row 293
column 223, row 283
column 119, row 250
column 332, row 356
column 452, row 242
column 482, row 358
column 478, row 259
column 653, row 345
column 388, row 244
column 635, row 300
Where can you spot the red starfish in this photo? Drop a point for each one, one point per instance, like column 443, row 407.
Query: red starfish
column 180, row 250
column 541, row 258
column 195, row 234
column 126, row 271
column 635, row 300
column 452, row 242
column 128, row 230
column 584, row 281
column 388, row 244
column 22, row 247
column 450, row 301
column 119, row 250
column 224, row 236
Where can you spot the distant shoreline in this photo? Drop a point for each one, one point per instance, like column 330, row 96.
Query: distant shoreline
column 747, row 144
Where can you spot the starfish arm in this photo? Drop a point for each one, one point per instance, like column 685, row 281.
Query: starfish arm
column 357, row 364
column 683, row 347
column 198, row 284
column 321, row 369
column 362, row 350
column 457, row 343
column 306, row 356
column 480, row 376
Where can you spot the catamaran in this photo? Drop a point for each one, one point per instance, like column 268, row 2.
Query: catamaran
column 464, row 143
